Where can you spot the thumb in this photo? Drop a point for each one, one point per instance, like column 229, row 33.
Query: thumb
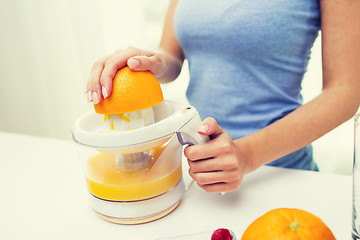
column 210, row 127
column 146, row 63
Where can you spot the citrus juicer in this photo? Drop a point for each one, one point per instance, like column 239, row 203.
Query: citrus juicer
column 135, row 176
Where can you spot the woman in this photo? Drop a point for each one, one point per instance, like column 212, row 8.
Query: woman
column 246, row 61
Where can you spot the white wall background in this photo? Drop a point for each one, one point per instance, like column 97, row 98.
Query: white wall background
column 48, row 47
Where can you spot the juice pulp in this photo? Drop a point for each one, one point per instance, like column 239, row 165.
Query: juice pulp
column 106, row 181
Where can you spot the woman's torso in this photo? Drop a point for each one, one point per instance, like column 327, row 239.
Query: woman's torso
column 247, row 59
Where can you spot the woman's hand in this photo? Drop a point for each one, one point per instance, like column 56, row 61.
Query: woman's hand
column 103, row 71
column 218, row 165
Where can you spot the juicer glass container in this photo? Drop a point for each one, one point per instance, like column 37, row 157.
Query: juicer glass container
column 131, row 187
column 136, row 176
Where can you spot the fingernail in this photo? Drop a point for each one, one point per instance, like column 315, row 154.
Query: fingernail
column 203, row 128
column 89, row 98
column 95, row 98
column 104, row 92
column 133, row 63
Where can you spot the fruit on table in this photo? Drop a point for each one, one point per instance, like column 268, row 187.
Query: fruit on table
column 222, row 234
column 288, row 224
column 132, row 91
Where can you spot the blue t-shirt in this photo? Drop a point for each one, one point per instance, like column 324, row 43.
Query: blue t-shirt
column 247, row 59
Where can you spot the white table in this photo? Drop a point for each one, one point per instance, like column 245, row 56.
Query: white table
column 44, row 196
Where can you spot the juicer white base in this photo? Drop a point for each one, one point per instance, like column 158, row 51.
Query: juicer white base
column 140, row 211
column 134, row 221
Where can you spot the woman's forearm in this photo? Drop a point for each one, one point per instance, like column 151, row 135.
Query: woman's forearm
column 301, row 127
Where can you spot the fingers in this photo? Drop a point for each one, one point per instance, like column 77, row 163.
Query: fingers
column 224, row 163
column 222, row 174
column 152, row 63
column 210, row 127
column 215, row 147
column 220, row 181
column 216, row 166
column 94, row 89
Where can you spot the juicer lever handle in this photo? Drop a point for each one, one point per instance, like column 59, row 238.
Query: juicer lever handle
column 188, row 134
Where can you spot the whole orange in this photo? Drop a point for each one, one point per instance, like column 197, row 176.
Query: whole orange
column 288, row 224
column 132, row 91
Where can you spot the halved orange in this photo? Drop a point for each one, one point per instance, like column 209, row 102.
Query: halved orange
column 132, row 91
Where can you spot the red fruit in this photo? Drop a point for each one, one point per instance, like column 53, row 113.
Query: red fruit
column 221, row 234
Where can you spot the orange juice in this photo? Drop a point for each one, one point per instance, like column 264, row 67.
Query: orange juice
column 106, row 181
